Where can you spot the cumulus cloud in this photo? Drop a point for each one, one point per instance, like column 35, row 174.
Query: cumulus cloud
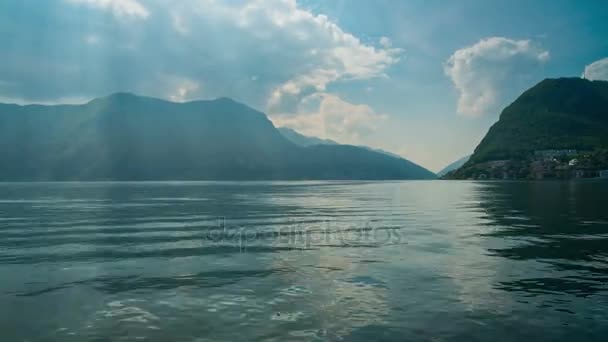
column 330, row 117
column 268, row 53
column 597, row 70
column 120, row 8
column 485, row 72
column 329, row 54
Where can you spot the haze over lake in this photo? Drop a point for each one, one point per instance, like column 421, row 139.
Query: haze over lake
column 394, row 261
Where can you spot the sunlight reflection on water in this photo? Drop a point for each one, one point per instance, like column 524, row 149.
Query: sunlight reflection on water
column 303, row 261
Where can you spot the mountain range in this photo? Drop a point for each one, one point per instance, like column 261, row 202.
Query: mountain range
column 129, row 137
column 305, row 140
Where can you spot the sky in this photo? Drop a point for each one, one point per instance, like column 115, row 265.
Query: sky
column 421, row 78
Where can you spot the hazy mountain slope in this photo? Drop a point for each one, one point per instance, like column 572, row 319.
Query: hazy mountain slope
column 453, row 166
column 353, row 162
column 127, row 137
column 303, row 140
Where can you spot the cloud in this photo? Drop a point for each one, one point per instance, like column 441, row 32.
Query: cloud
column 485, row 72
column 270, row 54
column 597, row 71
column 120, row 8
column 385, row 42
column 328, row 54
column 181, row 89
column 330, row 117
column 267, row 53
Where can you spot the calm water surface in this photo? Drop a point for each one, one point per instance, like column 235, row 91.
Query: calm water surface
column 304, row 261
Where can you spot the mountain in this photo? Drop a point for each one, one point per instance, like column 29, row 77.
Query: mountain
column 390, row 154
column 129, row 137
column 555, row 114
column 453, row 166
column 303, row 140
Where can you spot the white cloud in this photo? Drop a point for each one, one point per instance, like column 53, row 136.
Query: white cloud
column 183, row 89
column 481, row 72
column 120, row 8
column 327, row 53
column 597, row 70
column 385, row 42
column 330, row 117
column 270, row 54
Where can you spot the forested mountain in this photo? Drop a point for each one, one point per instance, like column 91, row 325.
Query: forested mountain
column 564, row 113
column 556, row 114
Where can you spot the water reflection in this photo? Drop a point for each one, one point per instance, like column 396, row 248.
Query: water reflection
column 563, row 225
column 304, row 261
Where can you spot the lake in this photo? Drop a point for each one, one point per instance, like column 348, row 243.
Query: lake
column 304, row 261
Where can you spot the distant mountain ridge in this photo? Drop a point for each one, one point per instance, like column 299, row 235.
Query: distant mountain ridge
column 305, row 140
column 555, row 114
column 129, row 137
column 453, row 166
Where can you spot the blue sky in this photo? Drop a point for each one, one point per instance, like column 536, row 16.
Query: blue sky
column 424, row 79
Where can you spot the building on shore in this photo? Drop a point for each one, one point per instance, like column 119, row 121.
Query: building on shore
column 553, row 154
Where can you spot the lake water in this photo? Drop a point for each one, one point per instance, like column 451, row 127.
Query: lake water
column 304, row 261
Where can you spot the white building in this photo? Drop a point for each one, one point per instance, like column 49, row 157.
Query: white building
column 552, row 154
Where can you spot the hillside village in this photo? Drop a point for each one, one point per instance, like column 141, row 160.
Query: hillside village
column 542, row 164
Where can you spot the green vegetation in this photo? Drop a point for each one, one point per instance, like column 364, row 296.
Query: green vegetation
column 565, row 113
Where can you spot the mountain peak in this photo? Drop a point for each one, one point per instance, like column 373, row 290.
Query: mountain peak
column 118, row 97
column 226, row 99
column 566, row 83
column 122, row 95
